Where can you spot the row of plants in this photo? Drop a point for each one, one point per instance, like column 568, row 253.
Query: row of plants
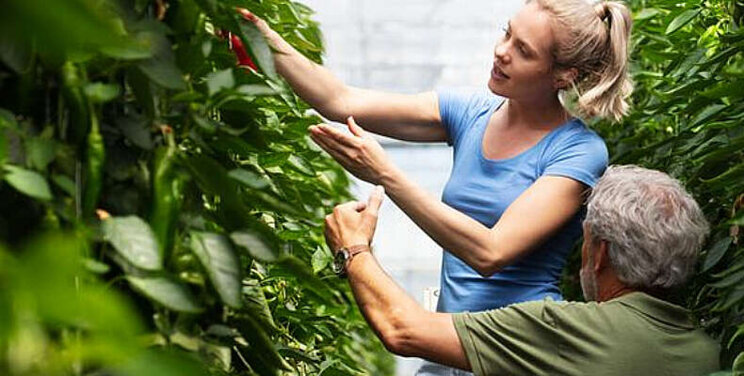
column 161, row 205
column 688, row 120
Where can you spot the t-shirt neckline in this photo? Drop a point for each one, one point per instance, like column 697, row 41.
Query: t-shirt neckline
column 521, row 154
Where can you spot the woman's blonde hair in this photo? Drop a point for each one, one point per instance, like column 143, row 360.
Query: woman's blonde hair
column 594, row 39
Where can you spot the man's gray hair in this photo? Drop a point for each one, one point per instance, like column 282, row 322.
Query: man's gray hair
column 654, row 228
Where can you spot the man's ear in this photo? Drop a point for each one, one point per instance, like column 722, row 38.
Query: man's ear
column 601, row 257
column 564, row 78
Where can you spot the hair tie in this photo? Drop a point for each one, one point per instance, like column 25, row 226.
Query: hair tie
column 602, row 10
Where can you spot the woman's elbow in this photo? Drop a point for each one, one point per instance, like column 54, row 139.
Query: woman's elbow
column 489, row 264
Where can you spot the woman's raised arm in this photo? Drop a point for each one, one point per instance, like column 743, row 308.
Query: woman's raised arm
column 405, row 117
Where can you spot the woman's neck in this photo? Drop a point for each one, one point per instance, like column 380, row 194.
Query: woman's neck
column 538, row 113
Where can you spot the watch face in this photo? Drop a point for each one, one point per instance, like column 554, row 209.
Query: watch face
column 339, row 261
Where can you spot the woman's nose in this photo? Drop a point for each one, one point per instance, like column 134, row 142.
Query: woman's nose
column 500, row 54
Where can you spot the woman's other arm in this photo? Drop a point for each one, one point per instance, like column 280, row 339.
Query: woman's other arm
column 531, row 219
column 405, row 117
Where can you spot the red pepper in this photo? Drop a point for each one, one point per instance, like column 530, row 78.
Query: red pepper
column 239, row 50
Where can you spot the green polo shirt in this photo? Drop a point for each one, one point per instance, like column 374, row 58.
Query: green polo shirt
column 635, row 334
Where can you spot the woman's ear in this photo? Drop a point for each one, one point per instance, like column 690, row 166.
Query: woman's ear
column 565, row 78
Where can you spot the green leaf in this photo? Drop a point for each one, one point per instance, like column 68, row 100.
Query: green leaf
column 98, row 92
column 220, row 80
column 28, row 182
column 136, row 130
column 64, row 183
column 164, row 73
column 255, row 302
column 134, row 240
column 301, row 165
column 321, row 259
column 217, row 256
column 249, row 178
column 646, row 13
column 95, row 266
column 261, row 343
column 256, row 244
column 716, row 253
column 40, row 152
column 166, row 292
column 254, row 40
column 255, row 90
column 681, row 20
column 7, row 119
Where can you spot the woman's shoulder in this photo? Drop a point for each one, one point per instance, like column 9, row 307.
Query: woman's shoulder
column 469, row 98
column 577, row 132
column 575, row 138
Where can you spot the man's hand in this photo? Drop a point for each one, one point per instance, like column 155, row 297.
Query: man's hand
column 354, row 222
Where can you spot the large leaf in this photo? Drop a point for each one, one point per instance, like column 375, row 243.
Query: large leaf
column 258, row 245
column 28, row 182
column 253, row 38
column 216, row 254
column 681, row 20
column 166, row 292
column 134, row 240
column 219, row 80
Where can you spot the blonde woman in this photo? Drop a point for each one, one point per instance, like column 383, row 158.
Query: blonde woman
column 522, row 163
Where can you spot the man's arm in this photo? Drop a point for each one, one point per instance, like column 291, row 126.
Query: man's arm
column 403, row 326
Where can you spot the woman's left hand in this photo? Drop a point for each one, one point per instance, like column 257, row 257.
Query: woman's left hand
column 358, row 152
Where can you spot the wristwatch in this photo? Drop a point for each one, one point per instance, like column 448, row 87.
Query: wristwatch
column 344, row 255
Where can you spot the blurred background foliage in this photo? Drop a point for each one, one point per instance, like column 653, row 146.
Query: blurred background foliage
column 688, row 120
column 161, row 206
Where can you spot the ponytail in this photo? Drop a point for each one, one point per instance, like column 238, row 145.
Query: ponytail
column 594, row 39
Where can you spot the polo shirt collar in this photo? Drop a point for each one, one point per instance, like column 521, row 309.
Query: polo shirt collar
column 657, row 309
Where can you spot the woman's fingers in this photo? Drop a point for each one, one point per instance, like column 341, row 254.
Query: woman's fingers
column 262, row 26
column 248, row 15
column 337, row 135
column 355, row 129
column 333, row 149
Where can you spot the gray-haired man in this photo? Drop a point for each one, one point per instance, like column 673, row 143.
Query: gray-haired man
column 642, row 234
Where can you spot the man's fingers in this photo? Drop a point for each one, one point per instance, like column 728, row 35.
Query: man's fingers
column 375, row 201
column 355, row 129
column 351, row 206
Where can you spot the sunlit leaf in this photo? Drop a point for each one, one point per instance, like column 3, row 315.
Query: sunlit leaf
column 218, row 258
column 28, row 182
column 134, row 240
column 98, row 92
column 220, row 80
column 681, row 20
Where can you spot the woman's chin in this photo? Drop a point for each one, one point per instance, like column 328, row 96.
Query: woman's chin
column 496, row 87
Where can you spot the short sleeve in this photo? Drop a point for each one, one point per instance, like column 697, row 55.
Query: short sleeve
column 517, row 340
column 453, row 107
column 582, row 157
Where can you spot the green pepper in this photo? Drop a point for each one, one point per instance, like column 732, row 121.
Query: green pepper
column 77, row 106
column 167, row 188
column 95, row 155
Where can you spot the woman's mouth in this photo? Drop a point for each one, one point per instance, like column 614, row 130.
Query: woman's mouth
column 498, row 74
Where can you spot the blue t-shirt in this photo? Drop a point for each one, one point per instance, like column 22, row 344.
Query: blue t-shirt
column 483, row 188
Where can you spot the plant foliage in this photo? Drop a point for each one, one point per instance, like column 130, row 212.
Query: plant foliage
column 183, row 196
